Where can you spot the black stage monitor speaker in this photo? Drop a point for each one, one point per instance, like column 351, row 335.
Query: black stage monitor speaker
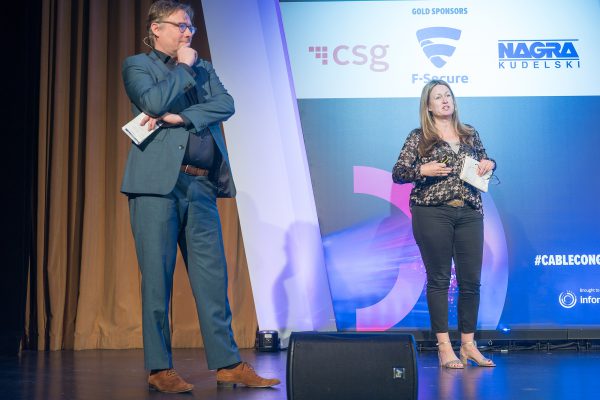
column 351, row 366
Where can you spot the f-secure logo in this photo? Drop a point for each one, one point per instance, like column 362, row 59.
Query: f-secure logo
column 437, row 43
column 567, row 299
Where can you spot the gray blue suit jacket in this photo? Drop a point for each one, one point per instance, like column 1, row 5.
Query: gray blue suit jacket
column 153, row 166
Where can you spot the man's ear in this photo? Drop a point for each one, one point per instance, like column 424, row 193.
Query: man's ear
column 155, row 28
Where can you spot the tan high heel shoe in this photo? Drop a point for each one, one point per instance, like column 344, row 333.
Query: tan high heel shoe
column 452, row 364
column 465, row 357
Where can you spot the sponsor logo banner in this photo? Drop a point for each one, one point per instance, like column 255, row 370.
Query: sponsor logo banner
column 392, row 48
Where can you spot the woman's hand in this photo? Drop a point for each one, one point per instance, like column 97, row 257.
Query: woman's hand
column 435, row 168
column 485, row 166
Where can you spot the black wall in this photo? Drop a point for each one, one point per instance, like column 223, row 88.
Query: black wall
column 18, row 163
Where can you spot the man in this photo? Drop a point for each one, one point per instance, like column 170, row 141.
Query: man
column 172, row 180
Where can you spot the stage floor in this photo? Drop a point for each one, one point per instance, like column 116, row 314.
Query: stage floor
column 119, row 375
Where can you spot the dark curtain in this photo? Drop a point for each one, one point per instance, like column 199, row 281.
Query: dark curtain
column 17, row 163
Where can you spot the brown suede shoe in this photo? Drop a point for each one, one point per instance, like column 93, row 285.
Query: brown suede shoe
column 168, row 381
column 243, row 374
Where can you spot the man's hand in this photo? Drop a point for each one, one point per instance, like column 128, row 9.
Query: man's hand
column 187, row 55
column 172, row 119
column 149, row 122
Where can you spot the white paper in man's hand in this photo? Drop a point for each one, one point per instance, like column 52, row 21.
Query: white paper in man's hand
column 469, row 174
column 136, row 132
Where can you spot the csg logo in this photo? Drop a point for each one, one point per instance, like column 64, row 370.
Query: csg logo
column 359, row 54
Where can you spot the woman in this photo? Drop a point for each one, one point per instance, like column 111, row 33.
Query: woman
column 447, row 216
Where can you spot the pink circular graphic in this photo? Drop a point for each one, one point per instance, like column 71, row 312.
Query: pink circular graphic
column 410, row 276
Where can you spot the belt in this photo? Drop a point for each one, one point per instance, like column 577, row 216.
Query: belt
column 456, row 203
column 191, row 170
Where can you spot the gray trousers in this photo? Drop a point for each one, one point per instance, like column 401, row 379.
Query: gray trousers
column 443, row 234
column 187, row 216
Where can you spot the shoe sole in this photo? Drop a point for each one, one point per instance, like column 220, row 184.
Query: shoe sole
column 236, row 384
column 152, row 387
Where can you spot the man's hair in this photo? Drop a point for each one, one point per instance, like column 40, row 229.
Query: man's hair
column 161, row 9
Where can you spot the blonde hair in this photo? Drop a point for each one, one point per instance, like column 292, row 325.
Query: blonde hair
column 430, row 132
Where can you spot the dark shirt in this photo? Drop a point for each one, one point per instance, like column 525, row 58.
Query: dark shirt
column 435, row 191
column 200, row 150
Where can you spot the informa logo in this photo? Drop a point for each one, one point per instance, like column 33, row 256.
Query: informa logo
column 359, row 54
column 567, row 299
column 538, row 54
column 438, row 43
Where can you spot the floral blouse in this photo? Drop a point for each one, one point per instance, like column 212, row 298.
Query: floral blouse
column 435, row 191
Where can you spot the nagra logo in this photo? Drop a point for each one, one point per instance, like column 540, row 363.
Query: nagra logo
column 359, row 55
column 538, row 54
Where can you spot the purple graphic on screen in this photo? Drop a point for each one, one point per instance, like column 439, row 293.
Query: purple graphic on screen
column 411, row 275
column 375, row 269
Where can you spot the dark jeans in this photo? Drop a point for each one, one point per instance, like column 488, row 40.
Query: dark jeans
column 444, row 233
